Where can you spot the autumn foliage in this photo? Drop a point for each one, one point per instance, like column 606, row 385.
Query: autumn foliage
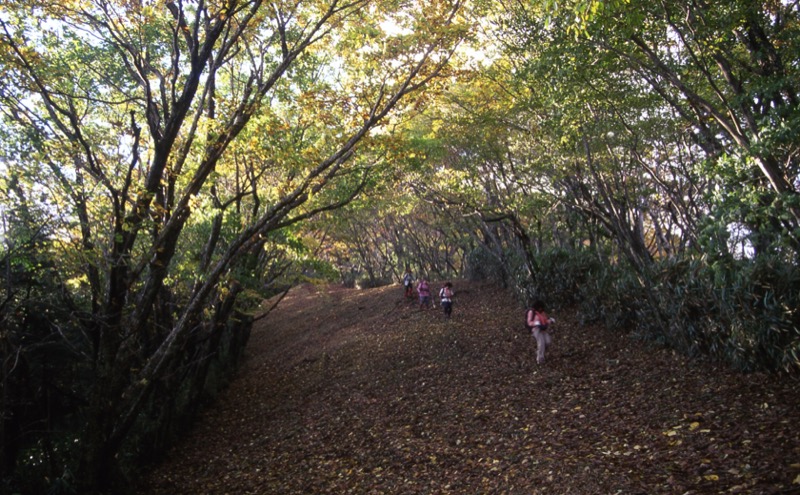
column 348, row 391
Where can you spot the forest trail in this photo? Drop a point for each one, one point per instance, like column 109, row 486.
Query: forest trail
column 358, row 392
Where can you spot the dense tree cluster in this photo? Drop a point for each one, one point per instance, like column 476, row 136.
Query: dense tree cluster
column 637, row 158
column 156, row 156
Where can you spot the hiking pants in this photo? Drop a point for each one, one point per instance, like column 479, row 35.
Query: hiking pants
column 543, row 339
column 448, row 308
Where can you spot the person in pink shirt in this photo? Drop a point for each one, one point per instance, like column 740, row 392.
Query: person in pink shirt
column 540, row 324
column 424, row 292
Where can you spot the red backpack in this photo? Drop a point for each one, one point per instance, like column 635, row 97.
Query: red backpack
column 543, row 319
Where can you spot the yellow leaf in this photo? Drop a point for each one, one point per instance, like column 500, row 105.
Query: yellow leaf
column 694, row 425
column 711, row 477
column 796, row 480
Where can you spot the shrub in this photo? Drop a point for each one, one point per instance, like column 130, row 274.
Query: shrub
column 745, row 313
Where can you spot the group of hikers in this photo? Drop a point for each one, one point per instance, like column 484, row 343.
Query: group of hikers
column 537, row 322
column 424, row 292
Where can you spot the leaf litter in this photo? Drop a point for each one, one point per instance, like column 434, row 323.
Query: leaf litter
column 350, row 391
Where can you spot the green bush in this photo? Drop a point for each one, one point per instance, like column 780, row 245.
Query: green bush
column 741, row 312
column 744, row 313
column 484, row 265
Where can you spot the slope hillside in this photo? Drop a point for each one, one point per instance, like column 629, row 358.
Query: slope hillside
column 348, row 391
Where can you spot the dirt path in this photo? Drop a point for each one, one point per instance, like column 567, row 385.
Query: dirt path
column 348, row 391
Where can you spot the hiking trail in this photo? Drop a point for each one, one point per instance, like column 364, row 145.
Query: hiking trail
column 357, row 391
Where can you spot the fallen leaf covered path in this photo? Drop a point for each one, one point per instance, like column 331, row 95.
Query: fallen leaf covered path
column 350, row 391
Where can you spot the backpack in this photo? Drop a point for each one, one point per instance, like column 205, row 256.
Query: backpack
column 445, row 294
column 543, row 319
column 525, row 321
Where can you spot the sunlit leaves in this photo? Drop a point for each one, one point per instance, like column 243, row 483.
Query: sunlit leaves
column 168, row 143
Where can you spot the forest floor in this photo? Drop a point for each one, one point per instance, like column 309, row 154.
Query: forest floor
column 350, row 391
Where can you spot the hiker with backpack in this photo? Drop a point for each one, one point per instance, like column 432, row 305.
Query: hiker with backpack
column 424, row 291
column 446, row 297
column 539, row 323
column 408, row 283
